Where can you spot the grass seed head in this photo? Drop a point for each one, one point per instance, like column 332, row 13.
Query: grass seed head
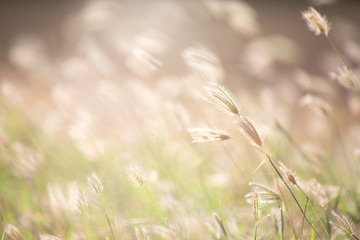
column 316, row 104
column 95, row 183
column 290, row 175
column 205, row 62
column 318, row 192
column 344, row 76
column 249, row 131
column 80, row 202
column 48, row 237
column 342, row 223
column 223, row 100
column 254, row 199
column 316, row 23
column 13, row 232
column 266, row 194
column 136, row 174
column 202, row 135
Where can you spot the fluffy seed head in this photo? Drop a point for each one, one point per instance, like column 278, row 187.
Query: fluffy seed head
column 343, row 76
column 290, row 175
column 201, row 135
column 316, row 23
column 135, row 174
column 249, row 131
column 13, row 232
column 223, row 100
column 80, row 202
column 267, row 195
column 95, row 183
column 142, row 233
column 318, row 192
column 204, row 62
column 163, row 232
column 48, row 237
column 316, row 104
column 342, row 223
column 254, row 199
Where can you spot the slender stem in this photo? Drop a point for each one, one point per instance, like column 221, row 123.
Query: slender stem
column 255, row 231
column 353, row 235
column 281, row 224
column 303, row 220
column 3, row 235
column 286, row 208
column 223, row 229
column 292, row 194
column 108, row 221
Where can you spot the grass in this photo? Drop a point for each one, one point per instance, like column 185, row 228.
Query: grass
column 144, row 167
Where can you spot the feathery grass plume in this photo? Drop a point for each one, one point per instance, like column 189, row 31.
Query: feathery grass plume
column 316, row 23
column 344, row 76
column 254, row 199
column 290, row 175
column 343, row 223
column 204, row 61
column 80, row 202
column 141, row 63
column 316, row 104
column 266, row 194
column 249, row 131
column 135, row 174
column 48, row 237
column 142, row 233
column 13, row 232
column 95, row 183
column 318, row 192
column 223, row 100
column 163, row 232
column 201, row 135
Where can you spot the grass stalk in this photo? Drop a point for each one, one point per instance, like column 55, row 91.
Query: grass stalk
column 108, row 220
column 3, row 235
column 305, row 208
column 291, row 192
column 286, row 209
column 255, row 231
column 281, row 233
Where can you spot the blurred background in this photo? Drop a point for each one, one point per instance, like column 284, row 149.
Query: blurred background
column 96, row 85
column 98, row 53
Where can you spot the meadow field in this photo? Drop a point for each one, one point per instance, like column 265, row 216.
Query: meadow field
column 168, row 119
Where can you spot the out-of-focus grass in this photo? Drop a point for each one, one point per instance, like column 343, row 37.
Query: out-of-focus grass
column 84, row 120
